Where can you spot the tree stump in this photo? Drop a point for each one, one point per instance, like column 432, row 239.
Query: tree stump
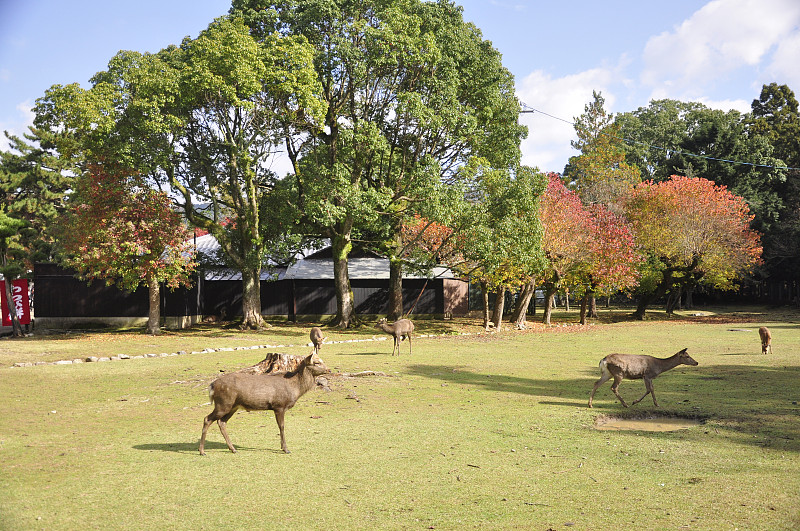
column 273, row 363
column 276, row 362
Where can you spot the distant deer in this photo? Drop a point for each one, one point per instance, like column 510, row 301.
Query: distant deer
column 635, row 367
column 260, row 392
column 317, row 338
column 766, row 340
column 400, row 330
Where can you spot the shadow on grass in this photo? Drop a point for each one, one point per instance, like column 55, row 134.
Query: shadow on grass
column 758, row 405
column 192, row 447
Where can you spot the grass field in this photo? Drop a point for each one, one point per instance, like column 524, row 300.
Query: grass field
column 487, row 431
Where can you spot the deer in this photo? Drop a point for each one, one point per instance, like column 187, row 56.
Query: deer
column 635, row 367
column 260, row 392
column 766, row 340
column 400, row 330
column 317, row 338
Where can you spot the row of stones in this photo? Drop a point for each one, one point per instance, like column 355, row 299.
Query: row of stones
column 118, row 357
column 92, row 359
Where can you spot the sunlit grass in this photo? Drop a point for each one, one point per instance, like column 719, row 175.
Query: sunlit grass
column 488, row 431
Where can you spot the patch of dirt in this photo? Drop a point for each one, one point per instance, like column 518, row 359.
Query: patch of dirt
column 649, row 423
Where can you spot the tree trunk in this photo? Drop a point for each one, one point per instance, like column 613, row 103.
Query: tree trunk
column 549, row 296
column 154, row 297
column 345, row 307
column 584, row 304
column 566, row 299
column 395, row 289
column 647, row 298
column 550, row 289
column 499, row 306
column 593, row 306
column 485, row 296
column 521, row 310
column 251, row 300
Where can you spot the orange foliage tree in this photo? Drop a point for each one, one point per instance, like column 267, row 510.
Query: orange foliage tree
column 692, row 231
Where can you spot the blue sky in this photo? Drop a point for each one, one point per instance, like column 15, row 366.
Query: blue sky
column 717, row 52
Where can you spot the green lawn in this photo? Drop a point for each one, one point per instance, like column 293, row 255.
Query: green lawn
column 470, row 431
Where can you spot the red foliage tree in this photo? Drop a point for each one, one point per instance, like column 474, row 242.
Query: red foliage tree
column 120, row 231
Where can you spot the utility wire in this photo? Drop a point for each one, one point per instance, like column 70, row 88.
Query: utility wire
column 527, row 109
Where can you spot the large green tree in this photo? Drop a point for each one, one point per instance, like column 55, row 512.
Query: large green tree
column 412, row 92
column 205, row 120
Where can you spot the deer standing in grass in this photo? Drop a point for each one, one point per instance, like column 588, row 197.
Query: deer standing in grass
column 400, row 330
column 317, row 338
column 766, row 340
column 260, row 392
column 637, row 367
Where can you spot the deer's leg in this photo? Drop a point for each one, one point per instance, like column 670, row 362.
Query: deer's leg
column 223, row 427
column 604, row 377
column 206, row 423
column 614, row 386
column 409, row 343
column 279, row 415
column 648, row 383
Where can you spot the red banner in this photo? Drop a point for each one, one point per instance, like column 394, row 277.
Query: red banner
column 19, row 294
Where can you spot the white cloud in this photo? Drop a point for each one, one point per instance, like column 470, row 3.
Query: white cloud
column 742, row 106
column 783, row 68
column 19, row 125
column 548, row 144
column 721, row 37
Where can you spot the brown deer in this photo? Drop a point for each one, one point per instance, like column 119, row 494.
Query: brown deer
column 260, row 392
column 635, row 367
column 317, row 338
column 766, row 340
column 400, row 330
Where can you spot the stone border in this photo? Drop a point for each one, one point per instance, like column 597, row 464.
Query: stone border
column 118, row 357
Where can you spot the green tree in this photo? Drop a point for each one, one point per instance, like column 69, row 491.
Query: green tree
column 33, row 187
column 412, row 92
column 775, row 115
column 204, row 119
column 599, row 174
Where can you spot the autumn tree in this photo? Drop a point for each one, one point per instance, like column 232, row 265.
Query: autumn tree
column 567, row 238
column 690, row 230
column 612, row 263
column 126, row 234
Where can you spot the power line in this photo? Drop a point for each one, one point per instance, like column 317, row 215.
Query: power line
column 527, row 109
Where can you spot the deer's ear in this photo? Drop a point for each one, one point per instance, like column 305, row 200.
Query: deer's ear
column 309, row 359
column 683, row 351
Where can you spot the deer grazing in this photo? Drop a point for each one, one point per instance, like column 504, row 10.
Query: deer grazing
column 260, row 392
column 400, row 330
column 766, row 340
column 317, row 338
column 635, row 367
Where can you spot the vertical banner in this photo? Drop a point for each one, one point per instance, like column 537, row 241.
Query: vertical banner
column 19, row 294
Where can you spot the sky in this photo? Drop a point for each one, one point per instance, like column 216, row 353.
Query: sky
column 719, row 52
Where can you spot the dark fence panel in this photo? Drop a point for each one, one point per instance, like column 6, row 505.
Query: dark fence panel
column 222, row 298
column 57, row 293
column 314, row 297
column 182, row 302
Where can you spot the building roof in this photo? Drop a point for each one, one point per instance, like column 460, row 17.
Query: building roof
column 314, row 265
